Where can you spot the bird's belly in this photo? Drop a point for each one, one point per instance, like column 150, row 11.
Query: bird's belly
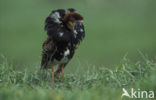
column 62, row 57
column 63, row 60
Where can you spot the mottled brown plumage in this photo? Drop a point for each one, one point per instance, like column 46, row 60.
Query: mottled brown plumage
column 72, row 16
column 47, row 52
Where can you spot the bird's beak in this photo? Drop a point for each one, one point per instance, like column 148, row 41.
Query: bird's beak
column 71, row 25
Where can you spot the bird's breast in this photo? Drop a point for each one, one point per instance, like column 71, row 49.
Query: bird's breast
column 63, row 54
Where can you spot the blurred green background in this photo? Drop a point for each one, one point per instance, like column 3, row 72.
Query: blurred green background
column 113, row 28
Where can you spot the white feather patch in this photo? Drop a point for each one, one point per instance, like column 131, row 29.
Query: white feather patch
column 75, row 31
column 56, row 17
column 66, row 52
column 61, row 34
column 81, row 30
column 64, row 59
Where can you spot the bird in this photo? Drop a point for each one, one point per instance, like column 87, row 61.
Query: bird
column 65, row 31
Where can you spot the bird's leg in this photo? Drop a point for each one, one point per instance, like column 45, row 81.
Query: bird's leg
column 62, row 68
column 52, row 69
column 58, row 70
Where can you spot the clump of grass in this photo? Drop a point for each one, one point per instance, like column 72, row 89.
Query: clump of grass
column 92, row 85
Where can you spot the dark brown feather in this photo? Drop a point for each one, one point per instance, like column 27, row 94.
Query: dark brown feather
column 72, row 16
column 48, row 49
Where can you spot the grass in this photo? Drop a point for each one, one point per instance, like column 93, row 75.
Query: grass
column 97, row 83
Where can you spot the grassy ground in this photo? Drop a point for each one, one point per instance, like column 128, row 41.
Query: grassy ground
column 95, row 84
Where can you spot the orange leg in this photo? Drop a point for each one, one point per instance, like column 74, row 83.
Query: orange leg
column 62, row 68
column 52, row 69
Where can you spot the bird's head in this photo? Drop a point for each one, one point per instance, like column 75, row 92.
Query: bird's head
column 71, row 17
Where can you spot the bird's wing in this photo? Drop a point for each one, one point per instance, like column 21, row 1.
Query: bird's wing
column 80, row 33
column 48, row 49
column 51, row 25
column 81, row 30
column 53, row 22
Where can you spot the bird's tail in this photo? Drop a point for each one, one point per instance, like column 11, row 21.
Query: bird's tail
column 44, row 62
